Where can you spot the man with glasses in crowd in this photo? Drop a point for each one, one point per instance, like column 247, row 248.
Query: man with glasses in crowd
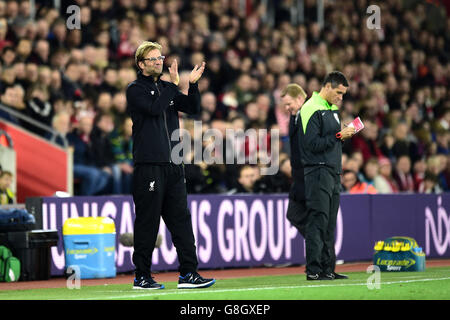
column 159, row 188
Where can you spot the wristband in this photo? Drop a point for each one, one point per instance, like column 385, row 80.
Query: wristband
column 338, row 135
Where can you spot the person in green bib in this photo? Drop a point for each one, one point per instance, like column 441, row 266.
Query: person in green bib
column 321, row 151
column 6, row 195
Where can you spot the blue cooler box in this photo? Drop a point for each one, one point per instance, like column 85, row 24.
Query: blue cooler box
column 89, row 244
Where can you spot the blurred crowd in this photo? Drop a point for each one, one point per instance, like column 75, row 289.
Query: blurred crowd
column 74, row 80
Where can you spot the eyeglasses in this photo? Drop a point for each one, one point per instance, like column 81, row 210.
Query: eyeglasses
column 161, row 58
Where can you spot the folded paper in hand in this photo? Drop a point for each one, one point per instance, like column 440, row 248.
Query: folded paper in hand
column 357, row 124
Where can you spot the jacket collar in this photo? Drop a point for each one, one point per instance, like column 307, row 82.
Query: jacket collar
column 324, row 102
column 141, row 76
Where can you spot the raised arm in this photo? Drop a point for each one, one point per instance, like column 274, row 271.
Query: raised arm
column 190, row 103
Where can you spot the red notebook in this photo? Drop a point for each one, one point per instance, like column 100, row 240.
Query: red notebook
column 357, row 124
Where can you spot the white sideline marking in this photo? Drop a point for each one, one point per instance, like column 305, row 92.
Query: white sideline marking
column 203, row 291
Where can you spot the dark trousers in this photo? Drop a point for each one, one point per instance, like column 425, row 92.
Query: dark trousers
column 296, row 214
column 322, row 191
column 160, row 191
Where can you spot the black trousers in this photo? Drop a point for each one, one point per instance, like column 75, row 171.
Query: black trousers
column 160, row 191
column 322, row 192
column 297, row 214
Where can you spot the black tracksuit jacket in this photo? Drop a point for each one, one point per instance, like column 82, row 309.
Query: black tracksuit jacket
column 153, row 107
column 297, row 191
column 318, row 143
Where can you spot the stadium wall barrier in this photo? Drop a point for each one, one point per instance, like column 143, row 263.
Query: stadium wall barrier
column 41, row 166
column 252, row 230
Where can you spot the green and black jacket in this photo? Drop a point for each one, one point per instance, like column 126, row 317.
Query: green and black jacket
column 319, row 145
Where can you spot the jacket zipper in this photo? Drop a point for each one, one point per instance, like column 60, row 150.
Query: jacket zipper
column 165, row 125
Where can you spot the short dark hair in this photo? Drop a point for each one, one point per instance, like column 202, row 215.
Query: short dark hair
column 351, row 172
column 335, row 78
column 245, row 166
column 8, row 48
column 100, row 115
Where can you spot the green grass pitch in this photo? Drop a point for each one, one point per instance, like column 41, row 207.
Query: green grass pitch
column 432, row 284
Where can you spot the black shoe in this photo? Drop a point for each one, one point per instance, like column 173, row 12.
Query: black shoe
column 146, row 283
column 317, row 276
column 328, row 276
column 193, row 280
column 338, row 276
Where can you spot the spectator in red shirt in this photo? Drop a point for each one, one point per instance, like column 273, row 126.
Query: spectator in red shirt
column 420, row 167
column 402, row 174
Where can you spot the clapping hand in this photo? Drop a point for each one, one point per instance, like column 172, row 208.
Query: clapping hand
column 173, row 70
column 196, row 73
